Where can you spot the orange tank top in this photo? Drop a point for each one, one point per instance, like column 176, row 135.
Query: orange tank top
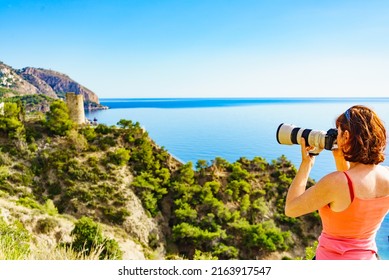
column 361, row 220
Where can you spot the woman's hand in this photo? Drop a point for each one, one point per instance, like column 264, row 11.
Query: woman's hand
column 337, row 153
column 305, row 155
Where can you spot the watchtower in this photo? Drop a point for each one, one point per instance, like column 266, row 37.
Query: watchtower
column 75, row 103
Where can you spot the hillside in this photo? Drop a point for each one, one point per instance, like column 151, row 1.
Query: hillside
column 30, row 80
column 53, row 174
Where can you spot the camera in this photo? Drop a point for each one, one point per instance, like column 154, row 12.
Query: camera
column 288, row 134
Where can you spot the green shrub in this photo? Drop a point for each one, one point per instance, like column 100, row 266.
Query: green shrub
column 266, row 236
column 193, row 235
column 239, row 188
column 150, row 191
column 7, row 187
column 10, row 121
column 89, row 133
column 88, row 236
column 58, row 120
column 54, row 188
column 238, row 173
column 199, row 255
column 116, row 215
column 29, row 203
column 260, row 206
column 125, row 124
column 4, row 173
column 225, row 252
column 213, row 186
column 50, row 208
column 46, row 225
column 119, row 157
column 185, row 212
column 5, row 159
column 103, row 129
column 221, row 163
column 310, row 251
column 14, row 241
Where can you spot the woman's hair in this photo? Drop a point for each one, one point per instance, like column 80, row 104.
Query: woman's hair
column 367, row 135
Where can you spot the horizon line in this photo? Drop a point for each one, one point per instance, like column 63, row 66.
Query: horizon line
column 248, row 98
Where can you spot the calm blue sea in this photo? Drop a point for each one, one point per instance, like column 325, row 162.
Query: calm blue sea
column 205, row 128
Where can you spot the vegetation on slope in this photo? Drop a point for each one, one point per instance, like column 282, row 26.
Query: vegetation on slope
column 216, row 210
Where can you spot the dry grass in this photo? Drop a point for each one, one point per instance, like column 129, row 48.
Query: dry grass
column 64, row 253
column 59, row 253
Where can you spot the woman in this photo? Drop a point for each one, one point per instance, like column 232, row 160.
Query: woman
column 352, row 201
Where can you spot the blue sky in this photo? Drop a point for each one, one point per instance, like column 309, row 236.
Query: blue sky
column 204, row 48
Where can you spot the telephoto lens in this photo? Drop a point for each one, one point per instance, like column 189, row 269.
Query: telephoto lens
column 288, row 134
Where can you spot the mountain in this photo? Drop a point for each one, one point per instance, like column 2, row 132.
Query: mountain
column 30, row 80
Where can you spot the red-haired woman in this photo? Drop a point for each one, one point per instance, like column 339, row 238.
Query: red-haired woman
column 352, row 201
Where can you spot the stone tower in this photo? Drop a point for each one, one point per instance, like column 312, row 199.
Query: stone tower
column 75, row 103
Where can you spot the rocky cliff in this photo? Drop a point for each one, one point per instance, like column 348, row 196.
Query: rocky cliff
column 9, row 79
column 59, row 83
column 30, row 80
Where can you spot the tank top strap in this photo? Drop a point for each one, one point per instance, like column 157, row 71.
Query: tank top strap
column 350, row 186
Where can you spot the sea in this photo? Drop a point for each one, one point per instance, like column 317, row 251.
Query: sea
column 193, row 129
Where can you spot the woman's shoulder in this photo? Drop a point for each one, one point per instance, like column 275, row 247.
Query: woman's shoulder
column 383, row 179
column 383, row 171
column 335, row 176
column 334, row 179
column 336, row 185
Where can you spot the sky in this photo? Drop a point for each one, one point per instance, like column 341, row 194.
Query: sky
column 204, row 48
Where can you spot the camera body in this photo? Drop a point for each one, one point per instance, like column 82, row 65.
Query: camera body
column 288, row 134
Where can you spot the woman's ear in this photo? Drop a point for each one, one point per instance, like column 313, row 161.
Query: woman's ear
column 346, row 136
